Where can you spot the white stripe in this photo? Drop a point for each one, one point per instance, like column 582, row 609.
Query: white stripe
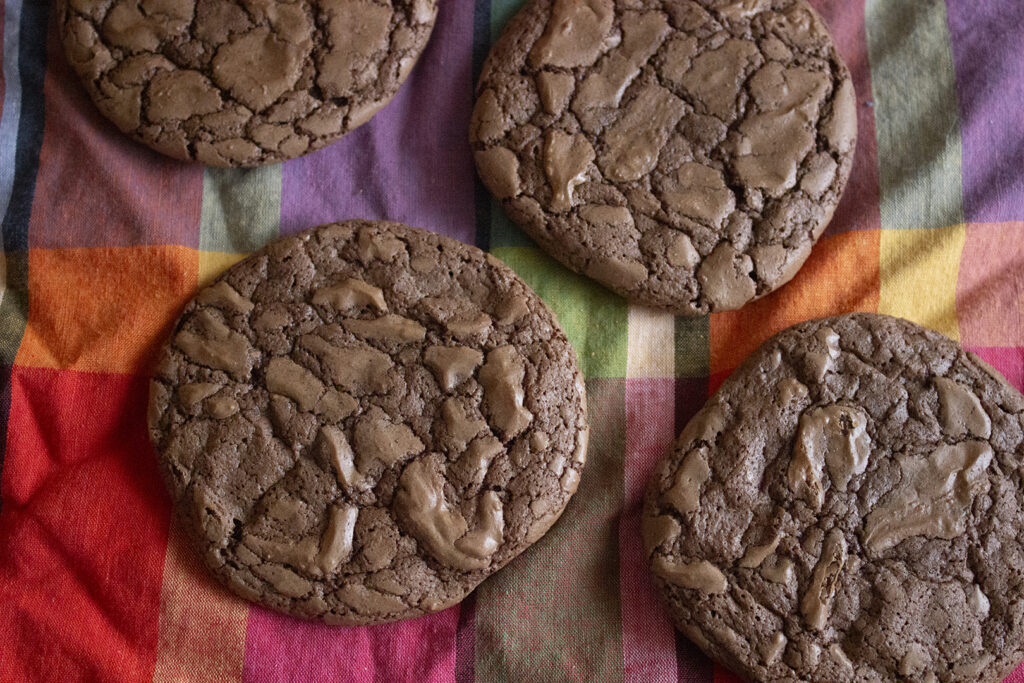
column 651, row 343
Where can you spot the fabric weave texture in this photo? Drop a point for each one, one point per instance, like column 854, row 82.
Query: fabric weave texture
column 104, row 241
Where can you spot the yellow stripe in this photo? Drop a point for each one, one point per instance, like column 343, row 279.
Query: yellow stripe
column 213, row 263
column 919, row 271
column 202, row 625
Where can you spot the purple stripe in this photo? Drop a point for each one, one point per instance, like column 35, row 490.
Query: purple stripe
column 989, row 61
column 693, row 665
column 412, row 161
column 691, row 394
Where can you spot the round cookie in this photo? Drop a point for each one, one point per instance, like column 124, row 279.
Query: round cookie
column 848, row 507
column 687, row 154
column 246, row 83
column 362, row 422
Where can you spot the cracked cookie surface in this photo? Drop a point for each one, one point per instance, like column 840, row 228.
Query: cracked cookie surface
column 848, row 507
column 229, row 83
column 362, row 422
column 687, row 154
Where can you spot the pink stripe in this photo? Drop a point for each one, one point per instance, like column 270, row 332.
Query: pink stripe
column 648, row 640
column 1010, row 362
column 859, row 208
column 99, row 188
column 1007, row 360
column 281, row 648
column 990, row 285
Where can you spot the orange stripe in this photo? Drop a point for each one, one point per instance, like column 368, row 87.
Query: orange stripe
column 104, row 309
column 841, row 276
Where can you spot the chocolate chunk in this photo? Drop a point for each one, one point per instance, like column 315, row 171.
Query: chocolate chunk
column 452, row 365
column 502, row 379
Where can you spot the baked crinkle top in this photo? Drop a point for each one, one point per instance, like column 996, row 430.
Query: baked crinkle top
column 242, row 83
column 686, row 154
column 360, row 423
column 848, row 507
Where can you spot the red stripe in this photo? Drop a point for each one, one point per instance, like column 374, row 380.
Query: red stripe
column 723, row 675
column 83, row 530
column 717, row 379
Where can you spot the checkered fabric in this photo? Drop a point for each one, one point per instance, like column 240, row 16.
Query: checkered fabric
column 104, row 241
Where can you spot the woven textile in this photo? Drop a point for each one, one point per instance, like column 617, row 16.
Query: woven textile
column 104, row 241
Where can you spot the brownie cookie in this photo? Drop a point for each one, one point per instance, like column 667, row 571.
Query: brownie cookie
column 848, row 507
column 244, row 83
column 686, row 154
column 362, row 422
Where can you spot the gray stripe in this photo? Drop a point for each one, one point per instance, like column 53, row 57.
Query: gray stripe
column 11, row 115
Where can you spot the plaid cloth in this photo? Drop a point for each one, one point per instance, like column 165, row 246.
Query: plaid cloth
column 104, row 241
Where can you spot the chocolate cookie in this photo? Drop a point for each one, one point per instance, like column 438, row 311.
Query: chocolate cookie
column 848, row 507
column 362, row 422
column 246, row 83
column 685, row 153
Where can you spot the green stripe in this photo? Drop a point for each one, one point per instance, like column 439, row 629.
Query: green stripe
column 13, row 305
column 501, row 12
column 693, row 346
column 594, row 318
column 554, row 614
column 241, row 209
column 505, row 233
column 919, row 147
